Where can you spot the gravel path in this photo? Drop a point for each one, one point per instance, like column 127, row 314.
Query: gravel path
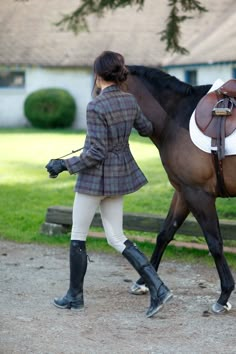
column 113, row 321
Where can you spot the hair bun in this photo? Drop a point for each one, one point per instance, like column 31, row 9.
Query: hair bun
column 110, row 66
column 123, row 74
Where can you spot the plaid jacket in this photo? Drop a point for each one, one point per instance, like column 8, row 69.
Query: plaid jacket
column 106, row 165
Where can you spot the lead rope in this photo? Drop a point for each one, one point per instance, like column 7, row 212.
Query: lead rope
column 61, row 157
column 70, row 153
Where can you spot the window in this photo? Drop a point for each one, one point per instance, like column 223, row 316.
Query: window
column 234, row 73
column 191, row 77
column 12, row 79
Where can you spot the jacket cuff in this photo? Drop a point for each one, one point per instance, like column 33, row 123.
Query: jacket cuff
column 73, row 165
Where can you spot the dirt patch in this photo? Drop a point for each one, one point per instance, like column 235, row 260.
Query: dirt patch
column 113, row 321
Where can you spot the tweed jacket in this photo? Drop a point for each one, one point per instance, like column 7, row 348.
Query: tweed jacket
column 106, row 165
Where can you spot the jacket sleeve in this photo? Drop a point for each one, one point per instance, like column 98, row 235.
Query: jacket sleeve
column 95, row 150
column 142, row 124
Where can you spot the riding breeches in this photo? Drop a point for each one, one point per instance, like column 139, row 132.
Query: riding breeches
column 111, row 209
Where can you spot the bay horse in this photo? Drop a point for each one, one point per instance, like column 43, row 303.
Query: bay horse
column 169, row 103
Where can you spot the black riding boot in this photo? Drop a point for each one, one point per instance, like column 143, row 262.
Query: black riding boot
column 78, row 265
column 159, row 292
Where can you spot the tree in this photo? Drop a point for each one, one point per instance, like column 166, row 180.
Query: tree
column 76, row 21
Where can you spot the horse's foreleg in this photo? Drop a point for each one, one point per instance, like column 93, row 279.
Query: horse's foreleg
column 177, row 214
column 203, row 208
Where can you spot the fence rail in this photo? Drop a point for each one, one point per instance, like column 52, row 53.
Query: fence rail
column 58, row 220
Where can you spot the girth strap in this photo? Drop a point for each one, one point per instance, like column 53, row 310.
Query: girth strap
column 218, row 142
column 219, row 175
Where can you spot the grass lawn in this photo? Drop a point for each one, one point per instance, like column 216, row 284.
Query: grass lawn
column 26, row 191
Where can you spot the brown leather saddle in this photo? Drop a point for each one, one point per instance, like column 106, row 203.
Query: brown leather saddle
column 216, row 116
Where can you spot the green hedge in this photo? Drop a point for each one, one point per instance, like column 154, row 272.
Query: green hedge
column 50, row 108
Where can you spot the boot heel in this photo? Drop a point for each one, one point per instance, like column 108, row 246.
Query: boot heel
column 77, row 309
column 66, row 302
column 167, row 297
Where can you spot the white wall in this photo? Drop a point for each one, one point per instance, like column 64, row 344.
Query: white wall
column 177, row 72
column 209, row 74
column 77, row 81
column 206, row 74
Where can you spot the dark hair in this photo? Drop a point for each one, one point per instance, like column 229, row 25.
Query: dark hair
column 110, row 66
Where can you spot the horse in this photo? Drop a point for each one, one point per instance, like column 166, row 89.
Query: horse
column 169, row 104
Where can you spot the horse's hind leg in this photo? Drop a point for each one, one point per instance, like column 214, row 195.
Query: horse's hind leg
column 203, row 208
column 177, row 214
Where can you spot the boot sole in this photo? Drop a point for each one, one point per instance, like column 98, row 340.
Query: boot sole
column 68, row 307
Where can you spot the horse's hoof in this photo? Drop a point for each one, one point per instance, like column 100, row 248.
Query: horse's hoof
column 220, row 309
column 138, row 289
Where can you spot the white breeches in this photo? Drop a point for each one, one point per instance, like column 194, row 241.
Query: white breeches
column 111, row 209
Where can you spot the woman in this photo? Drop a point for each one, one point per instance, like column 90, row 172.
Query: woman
column 107, row 171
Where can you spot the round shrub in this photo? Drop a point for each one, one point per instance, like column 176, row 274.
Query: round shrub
column 50, row 108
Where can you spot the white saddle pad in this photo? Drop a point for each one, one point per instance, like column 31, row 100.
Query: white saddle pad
column 202, row 141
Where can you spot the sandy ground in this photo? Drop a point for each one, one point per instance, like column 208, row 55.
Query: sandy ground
column 113, row 320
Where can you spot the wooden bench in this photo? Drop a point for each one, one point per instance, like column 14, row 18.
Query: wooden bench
column 58, row 221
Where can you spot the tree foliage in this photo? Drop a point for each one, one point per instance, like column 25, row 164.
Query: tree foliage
column 180, row 11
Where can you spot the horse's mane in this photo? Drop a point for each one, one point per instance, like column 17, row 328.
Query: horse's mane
column 161, row 79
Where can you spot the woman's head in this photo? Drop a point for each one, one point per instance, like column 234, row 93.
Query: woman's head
column 110, row 67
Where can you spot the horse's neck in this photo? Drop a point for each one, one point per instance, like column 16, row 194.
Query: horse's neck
column 148, row 104
column 171, row 100
column 179, row 105
column 168, row 99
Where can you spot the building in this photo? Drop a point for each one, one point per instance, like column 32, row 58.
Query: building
column 210, row 40
column 35, row 54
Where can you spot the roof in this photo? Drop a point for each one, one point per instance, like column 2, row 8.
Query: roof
column 28, row 35
column 210, row 38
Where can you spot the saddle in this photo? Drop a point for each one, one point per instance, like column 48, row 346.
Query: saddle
column 216, row 116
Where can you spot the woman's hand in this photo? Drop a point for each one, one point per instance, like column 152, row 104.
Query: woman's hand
column 55, row 166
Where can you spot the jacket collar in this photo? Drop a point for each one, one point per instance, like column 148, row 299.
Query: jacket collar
column 110, row 89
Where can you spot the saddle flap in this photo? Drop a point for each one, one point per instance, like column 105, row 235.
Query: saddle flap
column 229, row 88
column 203, row 113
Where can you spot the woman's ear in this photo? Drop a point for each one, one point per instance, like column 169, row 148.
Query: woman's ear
column 98, row 81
